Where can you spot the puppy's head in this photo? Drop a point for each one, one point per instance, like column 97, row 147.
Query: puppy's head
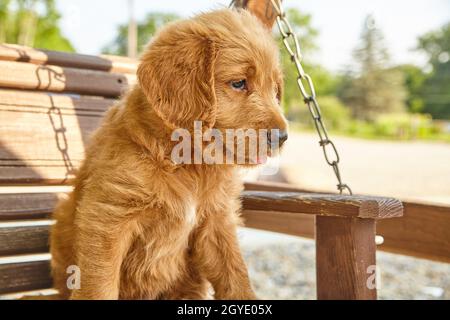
column 221, row 68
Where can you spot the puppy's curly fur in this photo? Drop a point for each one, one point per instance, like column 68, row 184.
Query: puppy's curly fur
column 137, row 225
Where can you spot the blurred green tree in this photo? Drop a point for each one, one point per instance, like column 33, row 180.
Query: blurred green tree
column 325, row 82
column 32, row 23
column 372, row 88
column 436, row 89
column 4, row 19
column 146, row 29
column 414, row 80
column 336, row 114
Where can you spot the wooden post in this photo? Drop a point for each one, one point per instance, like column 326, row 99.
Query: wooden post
column 345, row 258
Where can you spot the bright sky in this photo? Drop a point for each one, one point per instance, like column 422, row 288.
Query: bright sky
column 90, row 24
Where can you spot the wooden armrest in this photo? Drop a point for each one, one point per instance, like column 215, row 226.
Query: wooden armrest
column 323, row 204
column 345, row 246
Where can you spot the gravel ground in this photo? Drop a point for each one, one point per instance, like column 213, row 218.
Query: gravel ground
column 286, row 270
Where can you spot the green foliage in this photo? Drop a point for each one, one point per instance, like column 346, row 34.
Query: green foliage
column 48, row 33
column 436, row 89
column 374, row 93
column 371, row 54
column 400, row 126
column 21, row 22
column 336, row 114
column 301, row 23
column 374, row 89
column 414, row 79
column 325, row 82
column 4, row 19
column 404, row 126
column 146, row 29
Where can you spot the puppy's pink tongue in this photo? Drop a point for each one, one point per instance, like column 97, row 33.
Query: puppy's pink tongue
column 262, row 160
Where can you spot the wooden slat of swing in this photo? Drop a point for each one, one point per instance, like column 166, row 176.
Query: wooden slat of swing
column 19, row 98
column 13, row 52
column 21, row 75
column 24, row 237
column 25, row 276
column 43, row 135
column 26, row 206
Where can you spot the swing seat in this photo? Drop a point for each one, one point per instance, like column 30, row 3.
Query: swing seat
column 50, row 102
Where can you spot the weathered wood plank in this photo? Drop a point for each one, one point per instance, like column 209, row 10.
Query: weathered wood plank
column 43, row 135
column 18, row 206
column 423, row 232
column 319, row 204
column 25, row 276
column 24, row 238
column 345, row 253
column 17, row 99
column 282, row 222
column 20, row 75
column 13, row 52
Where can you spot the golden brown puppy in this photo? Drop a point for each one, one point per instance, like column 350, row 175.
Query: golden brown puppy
column 140, row 226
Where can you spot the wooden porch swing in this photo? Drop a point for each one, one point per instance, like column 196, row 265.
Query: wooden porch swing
column 50, row 102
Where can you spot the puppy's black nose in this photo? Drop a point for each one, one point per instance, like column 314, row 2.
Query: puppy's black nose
column 282, row 136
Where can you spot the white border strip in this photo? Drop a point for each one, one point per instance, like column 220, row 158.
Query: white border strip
column 35, row 189
column 25, row 223
column 30, row 295
column 25, row 258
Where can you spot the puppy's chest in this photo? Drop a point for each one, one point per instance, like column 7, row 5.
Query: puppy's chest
column 190, row 216
column 204, row 205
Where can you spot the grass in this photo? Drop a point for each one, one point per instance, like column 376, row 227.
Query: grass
column 370, row 132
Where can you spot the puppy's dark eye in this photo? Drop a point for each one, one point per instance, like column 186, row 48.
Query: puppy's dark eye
column 240, row 85
column 278, row 97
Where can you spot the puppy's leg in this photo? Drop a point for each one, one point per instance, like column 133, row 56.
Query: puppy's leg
column 61, row 245
column 216, row 251
column 100, row 246
column 191, row 286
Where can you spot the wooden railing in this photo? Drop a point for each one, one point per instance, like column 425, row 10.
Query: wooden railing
column 423, row 231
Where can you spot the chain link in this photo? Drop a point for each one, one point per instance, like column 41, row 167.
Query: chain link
column 306, row 87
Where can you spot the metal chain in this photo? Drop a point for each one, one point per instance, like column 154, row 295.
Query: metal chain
column 306, row 86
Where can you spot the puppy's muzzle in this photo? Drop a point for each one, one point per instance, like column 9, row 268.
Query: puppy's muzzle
column 276, row 138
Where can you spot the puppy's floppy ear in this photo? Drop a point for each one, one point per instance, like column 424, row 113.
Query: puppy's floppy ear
column 177, row 76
